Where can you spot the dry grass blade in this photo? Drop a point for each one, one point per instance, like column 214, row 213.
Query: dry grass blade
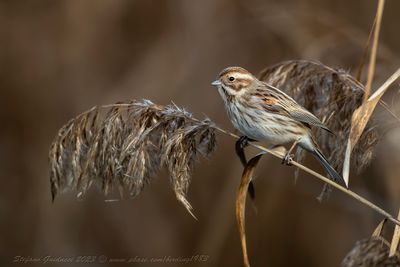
column 358, row 122
column 360, row 119
column 378, row 230
column 395, row 239
column 125, row 144
column 241, row 203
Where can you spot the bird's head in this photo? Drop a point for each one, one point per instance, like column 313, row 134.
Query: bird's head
column 234, row 81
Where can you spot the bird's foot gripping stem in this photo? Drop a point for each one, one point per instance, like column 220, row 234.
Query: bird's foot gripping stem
column 289, row 157
column 287, row 160
column 241, row 143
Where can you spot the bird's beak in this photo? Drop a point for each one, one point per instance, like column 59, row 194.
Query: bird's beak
column 216, row 83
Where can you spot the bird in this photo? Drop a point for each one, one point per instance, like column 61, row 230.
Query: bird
column 264, row 113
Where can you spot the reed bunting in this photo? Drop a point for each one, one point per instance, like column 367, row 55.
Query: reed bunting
column 264, row 113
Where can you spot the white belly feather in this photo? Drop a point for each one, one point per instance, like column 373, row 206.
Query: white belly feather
column 264, row 126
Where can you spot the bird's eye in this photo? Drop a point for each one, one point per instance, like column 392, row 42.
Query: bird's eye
column 231, row 78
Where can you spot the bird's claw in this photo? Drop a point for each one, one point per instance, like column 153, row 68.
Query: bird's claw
column 243, row 141
column 288, row 159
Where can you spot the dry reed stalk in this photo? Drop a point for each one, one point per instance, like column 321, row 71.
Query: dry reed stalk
column 372, row 61
column 364, row 56
column 348, row 192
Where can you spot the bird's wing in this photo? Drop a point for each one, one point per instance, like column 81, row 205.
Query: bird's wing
column 307, row 117
column 276, row 101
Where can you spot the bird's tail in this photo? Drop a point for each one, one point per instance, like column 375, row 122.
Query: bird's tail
column 329, row 169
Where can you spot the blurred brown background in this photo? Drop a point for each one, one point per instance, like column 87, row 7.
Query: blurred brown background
column 59, row 58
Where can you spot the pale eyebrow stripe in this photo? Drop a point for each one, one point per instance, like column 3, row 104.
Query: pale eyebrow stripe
column 243, row 76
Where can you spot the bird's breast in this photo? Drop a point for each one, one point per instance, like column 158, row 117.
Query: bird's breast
column 263, row 126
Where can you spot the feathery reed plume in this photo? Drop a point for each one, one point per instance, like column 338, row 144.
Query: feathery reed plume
column 332, row 95
column 372, row 251
column 126, row 146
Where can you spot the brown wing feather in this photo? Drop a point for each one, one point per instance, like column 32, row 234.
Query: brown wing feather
column 307, row 117
column 276, row 101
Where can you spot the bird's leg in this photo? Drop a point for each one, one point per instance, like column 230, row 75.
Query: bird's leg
column 241, row 143
column 288, row 157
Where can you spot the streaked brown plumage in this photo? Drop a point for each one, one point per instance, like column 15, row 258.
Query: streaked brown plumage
column 265, row 113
